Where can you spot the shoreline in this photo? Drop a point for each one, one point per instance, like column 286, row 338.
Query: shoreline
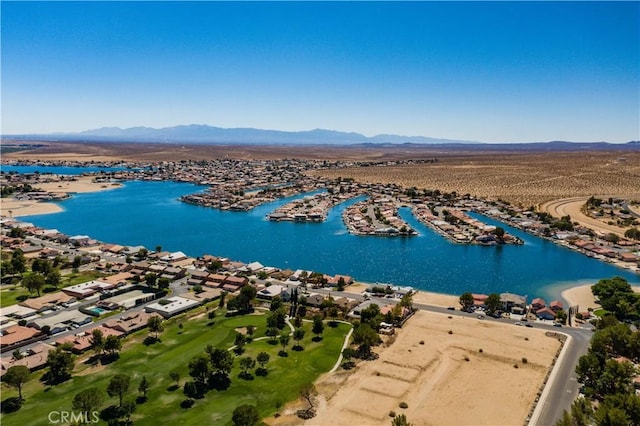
column 25, row 208
column 582, row 297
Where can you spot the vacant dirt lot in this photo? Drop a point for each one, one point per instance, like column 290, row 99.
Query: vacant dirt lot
column 521, row 177
column 439, row 386
column 525, row 179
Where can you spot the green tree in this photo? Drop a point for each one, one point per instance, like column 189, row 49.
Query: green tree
column 150, row 279
column 88, row 400
column 113, row 345
column 221, row 360
column 245, row 415
column 126, row 410
column 97, row 341
column 318, row 326
column 53, row 278
column 34, row 282
column 17, row 376
column 18, row 261
column 60, row 363
column 77, row 261
column 247, row 363
column 366, row 337
column 493, row 303
column 143, row 387
column 371, row 316
column 407, row 301
column 284, row 340
column 466, row 301
column 164, row 283
column 155, row 325
column 633, row 234
column 175, row 376
column 276, row 303
column 200, row 368
column 263, row 359
column 341, row 284
column 561, row 316
column 119, row 386
column 298, row 334
column 400, row 420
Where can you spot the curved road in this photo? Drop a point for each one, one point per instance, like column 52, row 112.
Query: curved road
column 571, row 207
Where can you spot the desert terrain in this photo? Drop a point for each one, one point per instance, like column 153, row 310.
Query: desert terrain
column 572, row 207
column 439, row 386
column 523, row 177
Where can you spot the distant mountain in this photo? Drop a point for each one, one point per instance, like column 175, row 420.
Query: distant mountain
column 197, row 133
column 203, row 134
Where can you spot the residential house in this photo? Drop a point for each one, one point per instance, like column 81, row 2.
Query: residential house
column 556, row 305
column 546, row 314
column 130, row 322
column 537, row 304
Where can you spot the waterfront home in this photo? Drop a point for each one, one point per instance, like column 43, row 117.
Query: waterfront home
column 546, row 314
column 556, row 305
column 513, row 303
column 233, row 282
column 333, row 281
column 479, row 300
column 80, row 240
column 537, row 304
column 84, row 290
column 255, row 267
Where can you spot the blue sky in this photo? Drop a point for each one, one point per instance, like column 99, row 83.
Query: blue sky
column 483, row 71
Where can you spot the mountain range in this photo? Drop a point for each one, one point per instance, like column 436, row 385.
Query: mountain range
column 204, row 134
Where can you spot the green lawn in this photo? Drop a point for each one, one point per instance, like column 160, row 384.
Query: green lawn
column 177, row 347
column 11, row 295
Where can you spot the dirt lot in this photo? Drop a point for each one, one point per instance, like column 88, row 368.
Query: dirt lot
column 525, row 179
column 434, row 379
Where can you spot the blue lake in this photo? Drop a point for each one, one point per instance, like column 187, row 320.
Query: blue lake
column 149, row 214
column 58, row 170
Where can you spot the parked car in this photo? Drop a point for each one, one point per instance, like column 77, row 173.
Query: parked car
column 451, row 308
column 528, row 325
column 557, row 324
column 518, row 323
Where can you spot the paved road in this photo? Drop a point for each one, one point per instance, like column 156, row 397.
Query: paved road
column 564, row 388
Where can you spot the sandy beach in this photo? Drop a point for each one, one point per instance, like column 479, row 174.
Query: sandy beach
column 487, row 389
column 583, row 298
column 18, row 208
column 421, row 296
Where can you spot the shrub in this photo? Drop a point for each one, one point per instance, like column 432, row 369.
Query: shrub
column 450, row 332
column 403, row 405
column 524, row 360
column 480, row 350
column 422, row 342
column 526, row 338
column 466, row 358
column 515, row 365
column 392, row 413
